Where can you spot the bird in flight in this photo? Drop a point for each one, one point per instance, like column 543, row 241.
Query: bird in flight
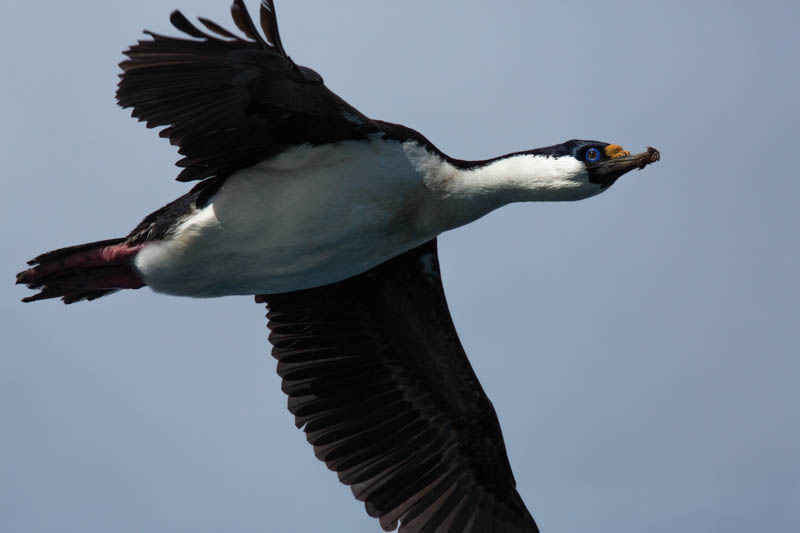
column 330, row 218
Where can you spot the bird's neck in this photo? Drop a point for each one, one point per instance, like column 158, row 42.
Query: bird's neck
column 464, row 191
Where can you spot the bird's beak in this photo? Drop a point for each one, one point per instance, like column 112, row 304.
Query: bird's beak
column 607, row 172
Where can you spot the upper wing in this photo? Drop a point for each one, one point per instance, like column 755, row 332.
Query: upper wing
column 378, row 380
column 229, row 102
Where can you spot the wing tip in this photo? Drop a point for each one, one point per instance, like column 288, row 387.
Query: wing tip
column 242, row 19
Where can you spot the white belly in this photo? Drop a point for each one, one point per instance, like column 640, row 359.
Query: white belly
column 309, row 217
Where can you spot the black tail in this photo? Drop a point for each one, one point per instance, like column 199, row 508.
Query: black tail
column 82, row 272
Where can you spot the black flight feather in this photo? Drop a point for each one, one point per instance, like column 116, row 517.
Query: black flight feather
column 216, row 28
column 269, row 23
column 229, row 103
column 380, row 383
column 182, row 23
column 244, row 22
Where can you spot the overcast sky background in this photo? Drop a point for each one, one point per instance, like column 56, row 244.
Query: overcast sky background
column 641, row 347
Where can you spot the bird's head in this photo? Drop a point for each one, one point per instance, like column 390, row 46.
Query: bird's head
column 581, row 168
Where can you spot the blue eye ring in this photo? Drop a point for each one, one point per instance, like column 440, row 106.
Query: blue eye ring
column 592, row 155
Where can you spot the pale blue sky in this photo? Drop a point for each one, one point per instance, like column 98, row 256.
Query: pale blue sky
column 641, row 348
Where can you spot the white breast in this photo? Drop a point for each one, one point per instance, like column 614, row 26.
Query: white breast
column 309, row 217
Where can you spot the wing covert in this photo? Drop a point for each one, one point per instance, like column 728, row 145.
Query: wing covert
column 378, row 380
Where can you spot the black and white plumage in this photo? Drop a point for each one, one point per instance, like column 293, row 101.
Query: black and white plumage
column 331, row 218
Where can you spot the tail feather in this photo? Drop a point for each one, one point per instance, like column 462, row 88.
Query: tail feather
column 63, row 253
column 82, row 272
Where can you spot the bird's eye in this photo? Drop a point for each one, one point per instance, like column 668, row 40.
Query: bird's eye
column 592, row 155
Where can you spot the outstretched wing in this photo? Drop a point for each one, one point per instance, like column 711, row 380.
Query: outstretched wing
column 230, row 102
column 378, row 380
